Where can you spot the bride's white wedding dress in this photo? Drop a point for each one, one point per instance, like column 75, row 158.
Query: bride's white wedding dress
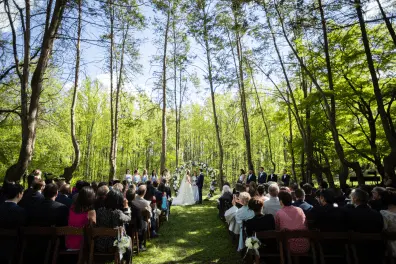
column 186, row 195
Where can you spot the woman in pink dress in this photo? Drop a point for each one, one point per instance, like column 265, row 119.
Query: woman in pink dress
column 291, row 218
column 81, row 214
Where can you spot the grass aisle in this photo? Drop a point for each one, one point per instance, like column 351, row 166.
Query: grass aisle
column 194, row 234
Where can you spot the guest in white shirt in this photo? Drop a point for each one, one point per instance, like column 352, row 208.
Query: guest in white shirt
column 128, row 176
column 272, row 205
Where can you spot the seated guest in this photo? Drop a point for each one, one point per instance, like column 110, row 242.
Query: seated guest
column 116, row 213
column 300, row 201
column 81, row 214
column 377, row 202
column 323, row 186
column 33, row 195
column 261, row 193
column 48, row 212
column 326, row 217
column 272, row 205
column 63, row 195
column 150, row 191
column 309, row 196
column 144, row 206
column 141, row 225
column 242, row 214
column 101, row 196
column 291, row 218
column 389, row 216
column 363, row 219
column 259, row 222
column 225, row 201
column 11, row 217
column 79, row 186
column 118, row 186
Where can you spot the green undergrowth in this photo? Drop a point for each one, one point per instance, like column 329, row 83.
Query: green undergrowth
column 193, row 234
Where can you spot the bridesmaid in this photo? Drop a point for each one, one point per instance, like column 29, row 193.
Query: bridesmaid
column 242, row 178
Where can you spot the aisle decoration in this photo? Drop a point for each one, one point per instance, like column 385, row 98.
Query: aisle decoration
column 253, row 243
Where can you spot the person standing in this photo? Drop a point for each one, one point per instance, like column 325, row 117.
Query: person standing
column 285, row 178
column 154, row 176
column 262, row 177
column 272, row 177
column 136, row 177
column 128, row 176
column 200, row 182
column 242, row 177
column 251, row 177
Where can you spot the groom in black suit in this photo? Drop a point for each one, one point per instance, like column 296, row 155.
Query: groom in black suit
column 199, row 183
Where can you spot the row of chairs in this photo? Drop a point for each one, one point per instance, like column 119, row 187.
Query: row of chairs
column 54, row 236
column 346, row 241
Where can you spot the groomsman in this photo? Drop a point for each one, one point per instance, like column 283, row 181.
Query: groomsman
column 199, row 183
column 251, row 177
column 262, row 178
column 272, row 177
column 285, row 178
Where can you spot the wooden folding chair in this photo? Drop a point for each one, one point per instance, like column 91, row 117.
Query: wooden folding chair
column 312, row 236
column 356, row 238
column 146, row 217
column 388, row 237
column 28, row 233
column 134, row 233
column 92, row 234
column 336, row 238
column 67, row 231
column 6, row 235
column 270, row 236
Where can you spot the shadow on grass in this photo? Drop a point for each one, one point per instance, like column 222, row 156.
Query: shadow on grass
column 194, row 234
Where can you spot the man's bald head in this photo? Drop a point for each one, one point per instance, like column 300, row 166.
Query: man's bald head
column 141, row 191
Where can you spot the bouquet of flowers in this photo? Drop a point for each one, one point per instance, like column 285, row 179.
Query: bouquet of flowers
column 252, row 243
column 122, row 242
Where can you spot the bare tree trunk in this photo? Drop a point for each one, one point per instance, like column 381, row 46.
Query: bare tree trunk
column 387, row 123
column 242, row 92
column 290, row 141
column 29, row 116
column 112, row 161
column 68, row 172
column 164, row 130
column 387, row 22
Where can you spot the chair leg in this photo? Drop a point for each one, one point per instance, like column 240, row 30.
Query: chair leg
column 22, row 251
column 91, row 253
column 47, row 254
column 56, row 251
column 137, row 242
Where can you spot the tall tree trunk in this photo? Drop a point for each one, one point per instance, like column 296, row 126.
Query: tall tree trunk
column 264, row 119
column 164, row 129
column 29, row 115
column 68, row 172
column 290, row 141
column 175, row 86
column 387, row 22
column 112, row 160
column 212, row 95
column 387, row 123
column 242, row 92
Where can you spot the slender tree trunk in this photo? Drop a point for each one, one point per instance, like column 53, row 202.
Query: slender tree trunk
column 242, row 92
column 213, row 99
column 387, row 22
column 112, row 160
column 164, row 129
column 290, row 141
column 389, row 160
column 68, row 172
column 264, row 120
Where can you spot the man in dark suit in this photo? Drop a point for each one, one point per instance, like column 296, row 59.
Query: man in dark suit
column 32, row 195
column 272, row 177
column 309, row 197
column 48, row 212
column 300, row 201
column 200, row 182
column 63, row 196
column 251, row 177
column 363, row 219
column 12, row 216
column 262, row 177
column 285, row 178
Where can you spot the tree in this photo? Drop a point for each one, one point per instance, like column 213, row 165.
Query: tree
column 30, row 102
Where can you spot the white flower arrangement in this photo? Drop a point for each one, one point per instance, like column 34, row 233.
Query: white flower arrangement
column 122, row 243
column 252, row 243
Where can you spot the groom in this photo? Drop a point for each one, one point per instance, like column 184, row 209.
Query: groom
column 199, row 183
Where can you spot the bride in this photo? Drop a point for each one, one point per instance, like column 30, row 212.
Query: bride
column 186, row 195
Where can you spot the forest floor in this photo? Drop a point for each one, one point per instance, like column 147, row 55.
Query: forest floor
column 193, row 234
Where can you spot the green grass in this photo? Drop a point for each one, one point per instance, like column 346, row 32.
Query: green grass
column 194, row 234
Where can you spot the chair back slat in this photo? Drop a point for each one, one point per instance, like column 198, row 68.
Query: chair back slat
column 103, row 231
column 69, row 230
column 38, row 231
column 8, row 232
